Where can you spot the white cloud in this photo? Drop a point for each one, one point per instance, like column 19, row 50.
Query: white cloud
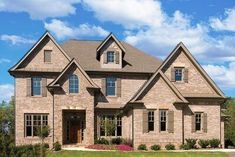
column 15, row 39
column 223, row 75
column 40, row 9
column 129, row 13
column 4, row 60
column 63, row 30
column 6, row 92
column 148, row 27
column 227, row 23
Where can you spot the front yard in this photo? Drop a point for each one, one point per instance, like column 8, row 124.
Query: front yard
column 135, row 154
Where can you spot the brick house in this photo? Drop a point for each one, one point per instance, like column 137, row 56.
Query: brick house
column 77, row 86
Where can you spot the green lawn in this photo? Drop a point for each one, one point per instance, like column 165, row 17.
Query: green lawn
column 136, row 154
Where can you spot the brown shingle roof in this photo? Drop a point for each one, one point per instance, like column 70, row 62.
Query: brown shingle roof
column 134, row 61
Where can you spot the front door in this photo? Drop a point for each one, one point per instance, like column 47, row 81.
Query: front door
column 75, row 131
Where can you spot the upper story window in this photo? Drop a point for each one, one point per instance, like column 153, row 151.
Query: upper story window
column 47, row 56
column 111, row 86
column 73, row 84
column 178, row 74
column 198, row 120
column 150, row 120
column 36, row 86
column 110, row 56
column 163, row 120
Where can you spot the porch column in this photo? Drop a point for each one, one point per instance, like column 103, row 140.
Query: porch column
column 89, row 138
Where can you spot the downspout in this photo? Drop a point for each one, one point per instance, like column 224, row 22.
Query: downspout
column 132, row 125
column 53, row 104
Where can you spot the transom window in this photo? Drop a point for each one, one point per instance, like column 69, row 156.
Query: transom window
column 73, row 84
column 111, row 86
column 110, row 56
column 150, row 120
column 106, row 122
column 163, row 120
column 178, row 74
column 33, row 122
column 36, row 86
column 198, row 120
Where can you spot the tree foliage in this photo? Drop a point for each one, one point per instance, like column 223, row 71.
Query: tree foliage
column 230, row 122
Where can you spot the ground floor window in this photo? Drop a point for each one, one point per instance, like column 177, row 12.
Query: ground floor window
column 163, row 120
column 110, row 125
column 198, row 120
column 150, row 120
column 33, row 121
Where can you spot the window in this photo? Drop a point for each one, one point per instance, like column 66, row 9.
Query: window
column 111, row 86
column 198, row 120
column 178, row 74
column 73, row 84
column 151, row 121
column 36, row 86
column 110, row 56
column 163, row 120
column 107, row 120
column 33, row 121
column 47, row 56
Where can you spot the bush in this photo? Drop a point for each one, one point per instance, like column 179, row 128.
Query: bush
column 203, row 143
column 185, row 147
column 155, row 147
column 117, row 141
column 142, row 147
column 102, row 141
column 214, row 143
column 26, row 150
column 191, row 142
column 170, row 146
column 46, row 145
column 57, row 146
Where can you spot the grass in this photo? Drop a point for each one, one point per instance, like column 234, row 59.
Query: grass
column 135, row 154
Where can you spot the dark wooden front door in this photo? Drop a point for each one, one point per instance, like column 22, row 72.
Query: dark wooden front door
column 75, row 131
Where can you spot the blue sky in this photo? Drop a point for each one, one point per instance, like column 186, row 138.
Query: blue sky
column 206, row 27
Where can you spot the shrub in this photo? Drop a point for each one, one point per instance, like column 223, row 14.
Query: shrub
column 117, row 141
column 102, row 141
column 142, row 147
column 57, row 146
column 203, row 143
column 214, row 143
column 26, row 150
column 185, row 147
column 170, row 146
column 46, row 145
column 155, row 147
column 191, row 142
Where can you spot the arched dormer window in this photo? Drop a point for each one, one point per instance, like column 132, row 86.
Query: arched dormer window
column 73, row 84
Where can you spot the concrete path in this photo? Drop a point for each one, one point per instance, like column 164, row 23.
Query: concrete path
column 231, row 154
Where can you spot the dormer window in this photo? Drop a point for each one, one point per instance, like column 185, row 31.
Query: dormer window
column 110, row 56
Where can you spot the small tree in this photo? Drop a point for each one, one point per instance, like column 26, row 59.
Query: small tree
column 110, row 129
column 42, row 133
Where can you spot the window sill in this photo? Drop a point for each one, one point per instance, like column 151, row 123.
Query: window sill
column 36, row 96
column 48, row 62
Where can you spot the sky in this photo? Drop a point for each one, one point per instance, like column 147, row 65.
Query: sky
column 206, row 27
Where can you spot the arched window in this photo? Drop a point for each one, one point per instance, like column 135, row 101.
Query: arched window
column 73, row 84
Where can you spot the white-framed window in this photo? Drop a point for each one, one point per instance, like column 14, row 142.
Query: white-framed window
column 163, row 120
column 33, row 121
column 111, row 86
column 178, row 74
column 110, row 56
column 36, row 86
column 151, row 120
column 198, row 121
column 106, row 120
